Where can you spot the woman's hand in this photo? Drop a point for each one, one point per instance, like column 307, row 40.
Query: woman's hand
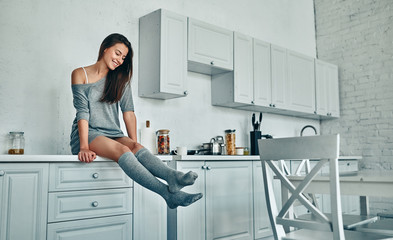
column 86, row 155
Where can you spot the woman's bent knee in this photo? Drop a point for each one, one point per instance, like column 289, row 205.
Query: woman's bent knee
column 123, row 149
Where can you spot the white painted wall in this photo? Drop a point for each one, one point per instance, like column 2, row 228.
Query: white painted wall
column 42, row 41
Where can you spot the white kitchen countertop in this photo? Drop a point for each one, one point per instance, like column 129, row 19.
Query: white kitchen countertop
column 236, row 158
column 55, row 158
column 73, row 158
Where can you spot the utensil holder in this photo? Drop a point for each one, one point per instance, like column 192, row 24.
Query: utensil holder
column 254, row 136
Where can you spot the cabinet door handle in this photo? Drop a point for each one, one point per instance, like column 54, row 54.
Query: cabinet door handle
column 94, row 204
column 95, row 175
column 208, row 167
column 2, row 173
column 252, row 102
column 186, row 92
column 212, row 63
column 204, row 167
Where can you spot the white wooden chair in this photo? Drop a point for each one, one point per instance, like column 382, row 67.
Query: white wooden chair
column 326, row 150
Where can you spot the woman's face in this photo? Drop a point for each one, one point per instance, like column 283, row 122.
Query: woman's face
column 115, row 55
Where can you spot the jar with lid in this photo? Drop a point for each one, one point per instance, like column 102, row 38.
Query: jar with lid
column 230, row 139
column 16, row 143
column 163, row 146
column 246, row 151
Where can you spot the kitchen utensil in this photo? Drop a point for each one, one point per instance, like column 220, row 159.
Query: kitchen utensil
column 260, row 121
column 220, row 140
column 192, row 152
column 253, row 121
column 255, row 124
column 216, row 148
column 205, row 149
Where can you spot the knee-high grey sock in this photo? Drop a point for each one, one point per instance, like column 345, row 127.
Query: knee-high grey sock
column 176, row 180
column 136, row 171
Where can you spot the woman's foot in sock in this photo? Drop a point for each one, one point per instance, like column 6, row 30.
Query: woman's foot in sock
column 180, row 180
column 182, row 199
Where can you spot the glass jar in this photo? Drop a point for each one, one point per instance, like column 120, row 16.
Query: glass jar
column 16, row 143
column 230, row 139
column 163, row 146
column 246, row 151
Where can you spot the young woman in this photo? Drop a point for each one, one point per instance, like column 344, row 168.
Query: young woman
column 98, row 91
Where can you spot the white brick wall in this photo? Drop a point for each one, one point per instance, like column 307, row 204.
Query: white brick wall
column 357, row 35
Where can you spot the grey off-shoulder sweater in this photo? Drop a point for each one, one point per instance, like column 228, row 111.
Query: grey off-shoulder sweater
column 103, row 117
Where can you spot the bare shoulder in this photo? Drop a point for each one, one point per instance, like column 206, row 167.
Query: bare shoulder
column 78, row 76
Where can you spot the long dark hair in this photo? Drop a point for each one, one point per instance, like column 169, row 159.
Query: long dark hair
column 117, row 79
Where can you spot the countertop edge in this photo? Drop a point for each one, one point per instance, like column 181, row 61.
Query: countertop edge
column 54, row 158
column 5, row 158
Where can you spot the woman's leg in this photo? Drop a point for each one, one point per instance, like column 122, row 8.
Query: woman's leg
column 116, row 151
column 176, row 180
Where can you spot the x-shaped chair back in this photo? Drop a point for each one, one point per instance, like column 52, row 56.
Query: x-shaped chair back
column 323, row 148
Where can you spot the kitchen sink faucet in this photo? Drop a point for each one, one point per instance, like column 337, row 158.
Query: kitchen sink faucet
column 308, row 126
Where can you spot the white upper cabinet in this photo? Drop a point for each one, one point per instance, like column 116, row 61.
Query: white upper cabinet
column 162, row 55
column 236, row 88
column 327, row 93
column 247, row 73
column 210, row 48
column 262, row 74
column 301, row 79
column 280, row 83
column 243, row 69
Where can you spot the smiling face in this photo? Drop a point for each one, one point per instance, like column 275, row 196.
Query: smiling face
column 114, row 56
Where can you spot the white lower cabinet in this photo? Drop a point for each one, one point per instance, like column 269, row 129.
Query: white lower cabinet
column 262, row 226
column 150, row 215
column 23, row 201
column 89, row 201
column 191, row 220
column 71, row 205
column 65, row 201
column 119, row 228
column 226, row 210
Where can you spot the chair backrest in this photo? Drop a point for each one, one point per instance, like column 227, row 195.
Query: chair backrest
column 323, row 148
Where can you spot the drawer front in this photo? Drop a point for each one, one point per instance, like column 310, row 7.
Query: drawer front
column 88, row 204
column 83, row 176
column 113, row 228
